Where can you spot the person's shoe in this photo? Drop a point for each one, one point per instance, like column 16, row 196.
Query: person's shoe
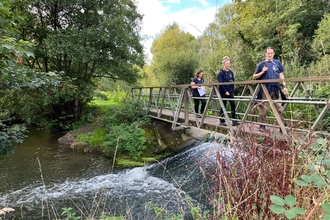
column 222, row 123
column 235, row 123
column 262, row 128
column 198, row 116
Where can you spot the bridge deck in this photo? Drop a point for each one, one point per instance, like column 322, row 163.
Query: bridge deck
column 212, row 124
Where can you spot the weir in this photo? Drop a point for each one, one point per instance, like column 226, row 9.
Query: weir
column 304, row 114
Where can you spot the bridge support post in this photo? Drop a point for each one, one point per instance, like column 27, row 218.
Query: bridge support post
column 186, row 106
column 272, row 105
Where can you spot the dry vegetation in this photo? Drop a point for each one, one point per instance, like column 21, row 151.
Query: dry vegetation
column 262, row 167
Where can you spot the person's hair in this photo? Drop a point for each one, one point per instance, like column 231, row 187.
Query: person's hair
column 198, row 72
column 270, row 48
column 224, row 59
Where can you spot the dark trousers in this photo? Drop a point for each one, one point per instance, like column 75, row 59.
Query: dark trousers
column 197, row 103
column 232, row 106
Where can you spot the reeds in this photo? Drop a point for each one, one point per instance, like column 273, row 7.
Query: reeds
column 261, row 167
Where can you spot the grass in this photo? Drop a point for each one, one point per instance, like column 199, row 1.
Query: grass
column 129, row 163
column 143, row 161
column 104, row 105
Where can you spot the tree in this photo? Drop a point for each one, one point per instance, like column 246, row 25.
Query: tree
column 286, row 25
column 244, row 29
column 147, row 77
column 19, row 86
column 321, row 45
column 220, row 39
column 175, row 56
column 83, row 40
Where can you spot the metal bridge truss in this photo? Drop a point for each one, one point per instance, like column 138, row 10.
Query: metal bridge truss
column 177, row 102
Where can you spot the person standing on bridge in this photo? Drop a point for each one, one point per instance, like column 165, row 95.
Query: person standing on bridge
column 227, row 91
column 270, row 69
column 199, row 91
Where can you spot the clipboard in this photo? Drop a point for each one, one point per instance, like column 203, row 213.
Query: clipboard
column 201, row 90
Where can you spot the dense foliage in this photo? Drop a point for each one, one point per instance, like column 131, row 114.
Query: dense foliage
column 119, row 131
column 24, row 92
column 84, row 41
column 53, row 54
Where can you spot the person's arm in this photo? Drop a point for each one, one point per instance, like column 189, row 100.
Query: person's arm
column 194, row 85
column 233, row 86
column 259, row 73
column 283, row 83
column 281, row 75
column 220, row 79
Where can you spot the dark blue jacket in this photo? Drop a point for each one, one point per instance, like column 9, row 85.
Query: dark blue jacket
column 226, row 76
column 274, row 69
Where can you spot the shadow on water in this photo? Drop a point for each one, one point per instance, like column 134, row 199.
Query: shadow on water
column 67, row 178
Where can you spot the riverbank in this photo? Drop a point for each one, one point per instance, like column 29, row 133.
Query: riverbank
column 161, row 141
column 128, row 136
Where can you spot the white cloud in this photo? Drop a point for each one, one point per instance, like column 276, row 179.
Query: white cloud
column 172, row 1
column 204, row 2
column 156, row 17
column 194, row 20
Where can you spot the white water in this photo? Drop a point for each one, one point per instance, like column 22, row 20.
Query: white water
column 125, row 192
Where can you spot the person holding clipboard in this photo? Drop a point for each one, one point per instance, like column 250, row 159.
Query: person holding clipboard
column 198, row 91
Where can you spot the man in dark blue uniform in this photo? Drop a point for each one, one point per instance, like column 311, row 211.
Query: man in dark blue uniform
column 270, row 69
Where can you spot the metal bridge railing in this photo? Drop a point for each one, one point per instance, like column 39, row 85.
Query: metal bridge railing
column 302, row 110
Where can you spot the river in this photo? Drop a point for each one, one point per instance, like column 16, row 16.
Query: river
column 40, row 177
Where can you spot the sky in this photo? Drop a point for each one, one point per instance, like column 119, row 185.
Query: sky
column 193, row 16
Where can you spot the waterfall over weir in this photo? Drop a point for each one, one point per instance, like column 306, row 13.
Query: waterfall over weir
column 83, row 182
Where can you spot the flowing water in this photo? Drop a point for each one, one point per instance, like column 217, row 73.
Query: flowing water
column 40, row 177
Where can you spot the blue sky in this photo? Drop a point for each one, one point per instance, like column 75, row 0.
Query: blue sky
column 193, row 16
column 177, row 5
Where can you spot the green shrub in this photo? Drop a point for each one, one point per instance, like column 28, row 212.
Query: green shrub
column 10, row 136
column 123, row 131
column 126, row 138
column 312, row 185
column 131, row 112
column 118, row 95
column 119, row 131
column 101, row 95
column 285, row 206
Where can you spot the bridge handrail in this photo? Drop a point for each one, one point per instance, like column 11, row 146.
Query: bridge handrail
column 177, row 97
column 249, row 82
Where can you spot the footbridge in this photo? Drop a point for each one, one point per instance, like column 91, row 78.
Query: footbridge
column 306, row 107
